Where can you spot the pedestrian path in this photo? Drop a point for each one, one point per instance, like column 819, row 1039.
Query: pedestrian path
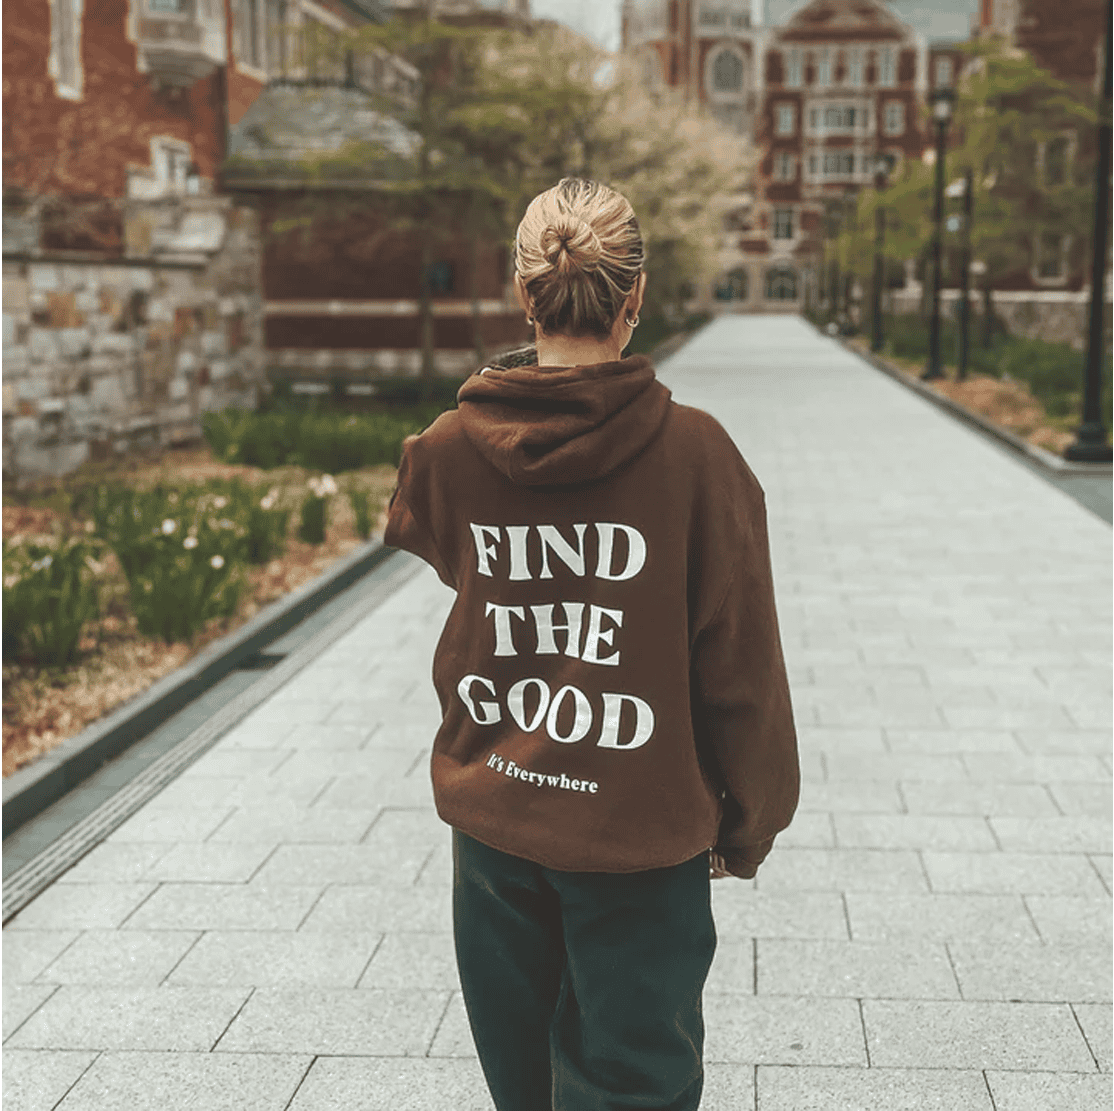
column 272, row 931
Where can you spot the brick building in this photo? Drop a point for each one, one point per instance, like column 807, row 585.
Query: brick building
column 826, row 93
column 139, row 290
column 821, row 97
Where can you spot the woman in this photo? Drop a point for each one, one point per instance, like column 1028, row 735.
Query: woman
column 616, row 717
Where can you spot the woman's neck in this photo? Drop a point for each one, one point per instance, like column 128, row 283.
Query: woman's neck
column 577, row 350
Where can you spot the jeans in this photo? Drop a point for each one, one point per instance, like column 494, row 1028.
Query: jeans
column 583, row 989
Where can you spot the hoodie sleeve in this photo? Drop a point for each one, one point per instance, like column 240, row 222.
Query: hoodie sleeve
column 409, row 516
column 740, row 692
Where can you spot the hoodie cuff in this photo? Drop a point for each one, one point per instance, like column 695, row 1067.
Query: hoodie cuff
column 744, row 862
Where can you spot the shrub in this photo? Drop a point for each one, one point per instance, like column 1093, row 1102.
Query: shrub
column 331, row 441
column 50, row 594
column 360, row 500
column 187, row 575
column 311, row 524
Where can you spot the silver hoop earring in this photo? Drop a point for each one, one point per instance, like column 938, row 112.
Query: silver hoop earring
column 632, row 323
column 531, row 321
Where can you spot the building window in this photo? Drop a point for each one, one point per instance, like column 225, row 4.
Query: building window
column 174, row 7
column 727, row 72
column 785, row 119
column 785, row 167
column 65, row 47
column 733, row 286
column 894, row 121
column 251, row 34
column 1057, row 153
column 943, row 72
column 441, row 277
column 824, row 68
column 781, row 284
column 854, row 66
column 838, row 163
column 783, row 223
column 1051, row 252
column 839, row 119
column 793, row 73
column 887, row 72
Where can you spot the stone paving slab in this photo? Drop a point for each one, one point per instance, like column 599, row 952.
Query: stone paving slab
column 37, row 1079
column 874, row 1089
column 273, row 930
column 213, row 1081
column 1038, row 1091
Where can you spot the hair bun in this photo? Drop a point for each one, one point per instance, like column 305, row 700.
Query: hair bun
column 571, row 243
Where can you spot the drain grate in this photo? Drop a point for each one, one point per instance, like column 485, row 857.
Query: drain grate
column 42, row 870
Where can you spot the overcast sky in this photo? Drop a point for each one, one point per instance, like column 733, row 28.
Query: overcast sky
column 599, row 19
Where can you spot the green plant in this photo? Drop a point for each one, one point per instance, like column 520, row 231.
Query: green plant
column 50, row 594
column 360, row 500
column 331, row 441
column 311, row 524
column 187, row 576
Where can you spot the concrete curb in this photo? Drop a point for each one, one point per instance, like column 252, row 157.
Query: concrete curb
column 1054, row 464
column 32, row 789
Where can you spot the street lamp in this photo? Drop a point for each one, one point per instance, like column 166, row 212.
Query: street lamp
column 1090, row 444
column 883, row 163
column 942, row 100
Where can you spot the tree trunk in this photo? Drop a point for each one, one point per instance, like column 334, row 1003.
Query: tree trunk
column 987, row 316
column 474, row 284
column 425, row 314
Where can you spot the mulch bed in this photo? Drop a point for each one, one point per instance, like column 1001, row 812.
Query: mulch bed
column 43, row 707
column 1005, row 402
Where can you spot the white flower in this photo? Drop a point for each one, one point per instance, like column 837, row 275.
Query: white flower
column 268, row 500
column 224, row 522
column 217, row 562
column 10, row 581
column 42, row 564
column 324, row 486
column 190, row 542
column 168, row 526
column 90, row 526
column 220, row 502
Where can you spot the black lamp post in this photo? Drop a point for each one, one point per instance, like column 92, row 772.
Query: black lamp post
column 942, row 99
column 1090, row 444
column 882, row 166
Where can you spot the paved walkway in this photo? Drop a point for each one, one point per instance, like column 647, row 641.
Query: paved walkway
column 933, row 931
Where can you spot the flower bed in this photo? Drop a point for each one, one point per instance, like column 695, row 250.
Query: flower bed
column 114, row 578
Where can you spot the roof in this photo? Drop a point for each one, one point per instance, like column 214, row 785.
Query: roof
column 843, row 19
column 319, row 133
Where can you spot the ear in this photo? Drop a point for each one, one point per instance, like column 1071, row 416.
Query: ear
column 634, row 301
column 521, row 295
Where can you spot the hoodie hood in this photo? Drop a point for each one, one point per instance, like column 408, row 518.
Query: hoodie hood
column 562, row 426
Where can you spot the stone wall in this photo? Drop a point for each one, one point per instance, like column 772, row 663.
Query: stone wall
column 1053, row 316
column 101, row 355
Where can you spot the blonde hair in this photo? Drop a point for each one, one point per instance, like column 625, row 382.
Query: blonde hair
column 579, row 252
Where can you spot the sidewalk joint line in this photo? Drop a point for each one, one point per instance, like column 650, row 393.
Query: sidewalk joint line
column 862, row 1026
column 122, row 924
column 57, row 988
column 313, row 907
column 302, row 1080
column 97, row 1055
column 989, row 1090
column 1029, row 913
column 239, row 1011
column 440, row 1023
column 432, row 853
column 189, row 949
column 955, row 972
column 846, row 915
column 1086, row 1040
column 367, row 964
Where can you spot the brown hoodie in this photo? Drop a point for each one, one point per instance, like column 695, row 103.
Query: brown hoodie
column 611, row 678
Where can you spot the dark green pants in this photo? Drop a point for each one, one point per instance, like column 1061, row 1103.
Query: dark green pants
column 583, row 989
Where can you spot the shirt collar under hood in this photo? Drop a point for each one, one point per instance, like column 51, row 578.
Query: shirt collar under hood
column 563, row 426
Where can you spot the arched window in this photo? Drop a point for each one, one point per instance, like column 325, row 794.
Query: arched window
column 781, row 284
column 734, row 285
column 727, row 72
